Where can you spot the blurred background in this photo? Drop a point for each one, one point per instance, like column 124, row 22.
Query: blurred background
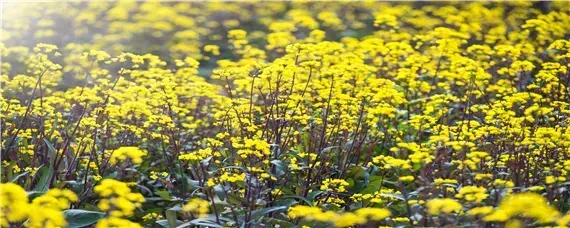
column 183, row 29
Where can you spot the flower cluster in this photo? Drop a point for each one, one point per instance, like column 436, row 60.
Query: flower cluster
column 44, row 210
column 198, row 207
column 118, row 201
column 128, row 152
column 358, row 217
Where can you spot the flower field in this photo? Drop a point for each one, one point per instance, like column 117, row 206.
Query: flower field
column 285, row 114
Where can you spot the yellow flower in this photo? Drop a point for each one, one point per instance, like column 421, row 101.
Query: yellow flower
column 43, row 211
column 128, row 152
column 196, row 155
column 564, row 220
column 443, row 206
column 13, row 203
column 360, row 216
column 215, row 50
column 198, row 207
column 391, row 162
column 155, row 175
column 338, row 185
column 118, row 199
column 440, row 181
column 529, row 205
column 116, row 222
column 472, row 193
column 550, row 180
column 480, row 211
column 152, row 217
column 373, row 213
column 406, row 178
column 46, row 217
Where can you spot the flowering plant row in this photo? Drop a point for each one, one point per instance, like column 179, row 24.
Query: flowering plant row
column 285, row 114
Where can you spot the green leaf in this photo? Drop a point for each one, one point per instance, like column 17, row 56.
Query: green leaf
column 200, row 222
column 52, row 152
column 417, row 166
column 357, row 172
column 370, row 189
column 375, row 178
column 163, row 194
column 358, row 186
column 309, row 202
column 378, row 182
column 144, row 189
column 350, row 182
column 113, row 175
column 236, row 199
column 14, row 144
column 14, row 179
column 219, row 192
column 328, row 149
column 43, row 183
column 205, row 161
column 280, row 167
column 81, row 218
column 272, row 222
column 312, row 195
column 375, row 183
column 34, row 194
column 164, row 223
column 260, row 212
column 193, row 183
column 396, row 196
column 176, row 208
column 171, row 217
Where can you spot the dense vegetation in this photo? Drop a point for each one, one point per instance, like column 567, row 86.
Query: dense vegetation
column 289, row 114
